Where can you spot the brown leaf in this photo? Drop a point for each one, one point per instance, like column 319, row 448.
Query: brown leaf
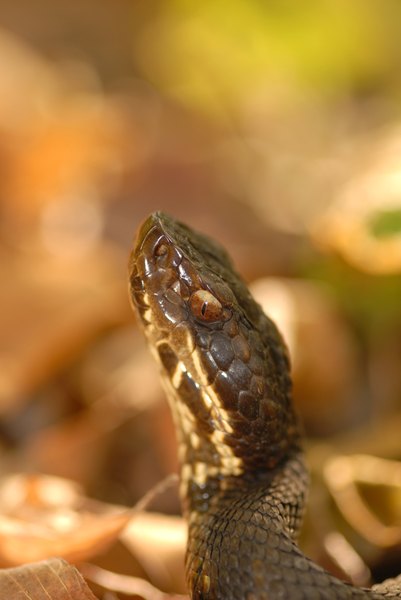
column 47, row 516
column 378, row 522
column 158, row 542
column 67, row 310
column 50, row 579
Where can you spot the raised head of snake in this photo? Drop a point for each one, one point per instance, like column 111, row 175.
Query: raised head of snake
column 226, row 373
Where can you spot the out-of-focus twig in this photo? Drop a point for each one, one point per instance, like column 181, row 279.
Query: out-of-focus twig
column 155, row 491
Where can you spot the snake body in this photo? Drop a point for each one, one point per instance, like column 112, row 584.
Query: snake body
column 226, row 372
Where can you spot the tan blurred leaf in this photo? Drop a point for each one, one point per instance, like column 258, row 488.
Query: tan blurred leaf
column 127, row 585
column 158, row 542
column 363, row 224
column 53, row 578
column 46, row 516
column 67, row 309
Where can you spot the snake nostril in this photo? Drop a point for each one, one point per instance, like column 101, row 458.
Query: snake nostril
column 161, row 249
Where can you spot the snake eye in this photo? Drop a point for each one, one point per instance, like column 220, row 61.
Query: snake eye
column 205, row 306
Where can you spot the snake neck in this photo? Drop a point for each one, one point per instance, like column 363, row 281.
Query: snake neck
column 242, row 542
column 215, row 492
column 243, row 527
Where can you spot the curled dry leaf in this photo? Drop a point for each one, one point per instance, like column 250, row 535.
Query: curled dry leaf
column 44, row 516
column 378, row 522
column 53, row 578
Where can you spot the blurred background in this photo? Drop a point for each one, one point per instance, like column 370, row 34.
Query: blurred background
column 272, row 126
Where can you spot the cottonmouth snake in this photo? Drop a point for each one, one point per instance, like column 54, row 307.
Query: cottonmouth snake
column 226, row 372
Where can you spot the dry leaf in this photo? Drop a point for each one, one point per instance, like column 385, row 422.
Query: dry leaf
column 379, row 521
column 50, row 579
column 47, row 516
column 127, row 585
column 67, row 310
column 363, row 223
column 158, row 542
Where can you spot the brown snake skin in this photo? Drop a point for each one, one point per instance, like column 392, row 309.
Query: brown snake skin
column 226, row 372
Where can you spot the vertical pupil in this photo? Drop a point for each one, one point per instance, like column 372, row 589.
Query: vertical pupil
column 205, row 306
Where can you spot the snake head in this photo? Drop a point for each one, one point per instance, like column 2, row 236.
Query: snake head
column 223, row 361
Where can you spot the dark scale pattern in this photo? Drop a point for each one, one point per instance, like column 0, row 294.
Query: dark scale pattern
column 227, row 376
column 254, row 526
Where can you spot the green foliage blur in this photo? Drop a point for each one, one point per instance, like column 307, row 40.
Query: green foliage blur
column 218, row 53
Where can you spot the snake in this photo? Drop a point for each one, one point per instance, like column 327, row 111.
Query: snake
column 226, row 372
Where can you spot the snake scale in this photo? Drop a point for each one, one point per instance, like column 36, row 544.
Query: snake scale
column 226, row 372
